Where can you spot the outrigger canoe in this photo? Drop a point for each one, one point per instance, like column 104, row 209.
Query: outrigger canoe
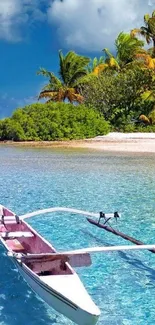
column 48, row 272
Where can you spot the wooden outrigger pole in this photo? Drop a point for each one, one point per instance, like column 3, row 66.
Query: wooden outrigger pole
column 117, row 233
column 97, row 223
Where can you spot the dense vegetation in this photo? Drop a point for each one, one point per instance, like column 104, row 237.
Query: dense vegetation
column 53, row 121
column 119, row 97
column 91, row 96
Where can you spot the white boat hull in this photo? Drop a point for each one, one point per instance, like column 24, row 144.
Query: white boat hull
column 54, row 280
column 58, row 301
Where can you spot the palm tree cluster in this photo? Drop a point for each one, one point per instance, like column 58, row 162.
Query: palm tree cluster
column 148, row 33
column 75, row 69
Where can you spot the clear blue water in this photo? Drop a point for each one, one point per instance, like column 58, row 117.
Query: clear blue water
column 121, row 283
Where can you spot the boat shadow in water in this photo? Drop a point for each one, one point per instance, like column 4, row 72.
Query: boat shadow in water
column 138, row 264
column 128, row 258
column 18, row 303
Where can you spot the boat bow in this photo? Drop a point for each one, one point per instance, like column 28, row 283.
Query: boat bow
column 72, row 289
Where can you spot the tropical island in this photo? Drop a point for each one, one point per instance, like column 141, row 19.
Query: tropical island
column 92, row 97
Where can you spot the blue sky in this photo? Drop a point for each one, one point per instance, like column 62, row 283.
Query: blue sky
column 32, row 32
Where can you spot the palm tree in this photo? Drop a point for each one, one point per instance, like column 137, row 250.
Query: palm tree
column 147, row 31
column 126, row 48
column 72, row 68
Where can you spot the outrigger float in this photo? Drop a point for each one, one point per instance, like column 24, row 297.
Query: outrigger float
column 50, row 273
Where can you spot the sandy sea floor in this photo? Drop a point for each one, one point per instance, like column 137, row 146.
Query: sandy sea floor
column 114, row 142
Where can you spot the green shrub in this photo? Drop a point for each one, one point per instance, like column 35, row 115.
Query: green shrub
column 11, row 130
column 53, row 121
column 148, row 128
column 136, row 128
column 128, row 128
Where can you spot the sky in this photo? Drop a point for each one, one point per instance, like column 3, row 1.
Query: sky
column 32, row 32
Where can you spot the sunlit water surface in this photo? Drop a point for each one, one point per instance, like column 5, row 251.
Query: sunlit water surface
column 122, row 284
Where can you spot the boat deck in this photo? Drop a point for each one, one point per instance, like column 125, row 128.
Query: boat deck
column 72, row 288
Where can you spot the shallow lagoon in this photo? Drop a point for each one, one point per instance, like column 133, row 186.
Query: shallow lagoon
column 121, row 283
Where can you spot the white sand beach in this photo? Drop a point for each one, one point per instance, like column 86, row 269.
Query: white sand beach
column 124, row 142
column 113, row 142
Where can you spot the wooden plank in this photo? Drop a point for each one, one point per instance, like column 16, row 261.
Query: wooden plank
column 43, row 256
column 40, row 258
column 14, row 245
column 78, row 260
column 118, row 233
column 16, row 234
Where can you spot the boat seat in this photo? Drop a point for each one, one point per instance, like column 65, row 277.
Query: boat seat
column 16, row 234
column 15, row 245
column 9, row 219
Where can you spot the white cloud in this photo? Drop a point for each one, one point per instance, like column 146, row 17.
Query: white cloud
column 94, row 24
column 8, row 10
column 16, row 13
column 80, row 24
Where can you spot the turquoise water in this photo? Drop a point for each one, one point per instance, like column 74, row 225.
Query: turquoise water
column 121, row 283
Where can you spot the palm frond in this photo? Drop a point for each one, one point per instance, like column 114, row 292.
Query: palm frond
column 43, row 72
column 54, row 82
column 146, row 18
column 148, row 38
column 47, row 87
column 113, row 63
column 71, row 95
column 144, row 119
column 143, row 31
column 127, row 45
column 72, row 67
column 107, row 53
column 135, row 31
column 94, row 63
column 47, row 94
column 151, row 25
column 78, row 98
column 149, row 95
column 75, row 78
column 100, row 68
column 61, row 62
column 148, row 60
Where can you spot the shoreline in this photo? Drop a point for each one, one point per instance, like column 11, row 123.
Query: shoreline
column 113, row 142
